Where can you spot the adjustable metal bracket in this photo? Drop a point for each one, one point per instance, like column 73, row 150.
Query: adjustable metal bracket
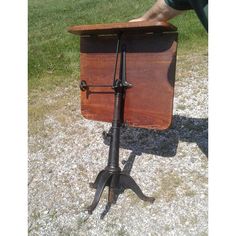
column 84, row 86
column 122, row 82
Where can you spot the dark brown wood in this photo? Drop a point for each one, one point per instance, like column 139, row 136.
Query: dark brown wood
column 144, row 26
column 150, row 68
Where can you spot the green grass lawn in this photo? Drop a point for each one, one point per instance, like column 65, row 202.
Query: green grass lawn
column 54, row 53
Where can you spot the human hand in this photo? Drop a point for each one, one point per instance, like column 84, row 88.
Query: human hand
column 138, row 19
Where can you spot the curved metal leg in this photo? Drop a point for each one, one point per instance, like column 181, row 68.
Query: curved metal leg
column 100, row 186
column 107, row 208
column 94, row 185
column 127, row 181
column 113, row 188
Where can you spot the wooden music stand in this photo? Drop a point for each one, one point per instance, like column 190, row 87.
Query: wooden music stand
column 139, row 94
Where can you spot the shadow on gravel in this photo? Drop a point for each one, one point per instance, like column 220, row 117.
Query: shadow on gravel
column 161, row 143
column 165, row 143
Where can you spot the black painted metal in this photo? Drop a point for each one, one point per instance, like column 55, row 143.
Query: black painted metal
column 112, row 176
column 83, row 85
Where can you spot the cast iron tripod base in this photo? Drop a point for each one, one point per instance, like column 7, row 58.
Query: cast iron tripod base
column 117, row 182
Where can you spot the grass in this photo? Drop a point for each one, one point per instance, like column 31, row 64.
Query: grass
column 54, row 53
column 62, row 105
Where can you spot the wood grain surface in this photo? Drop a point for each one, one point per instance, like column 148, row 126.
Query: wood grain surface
column 144, row 26
column 150, row 68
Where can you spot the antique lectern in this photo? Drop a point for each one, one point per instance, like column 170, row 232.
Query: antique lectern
column 127, row 77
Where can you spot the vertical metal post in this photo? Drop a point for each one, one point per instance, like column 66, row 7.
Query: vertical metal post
column 113, row 160
column 119, row 88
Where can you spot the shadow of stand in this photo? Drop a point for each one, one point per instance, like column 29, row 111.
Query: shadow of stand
column 161, row 143
column 165, row 143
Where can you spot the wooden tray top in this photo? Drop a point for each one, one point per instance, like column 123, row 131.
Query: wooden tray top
column 143, row 26
column 150, row 68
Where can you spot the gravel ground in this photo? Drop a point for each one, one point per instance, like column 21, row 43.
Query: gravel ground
column 66, row 152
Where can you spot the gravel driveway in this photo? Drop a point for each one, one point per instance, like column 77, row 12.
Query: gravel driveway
column 66, row 152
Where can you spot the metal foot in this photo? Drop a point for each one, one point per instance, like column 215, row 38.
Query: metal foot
column 102, row 180
column 127, row 182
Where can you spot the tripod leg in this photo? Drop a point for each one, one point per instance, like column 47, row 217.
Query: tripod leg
column 127, row 181
column 100, row 186
column 113, row 188
column 94, row 185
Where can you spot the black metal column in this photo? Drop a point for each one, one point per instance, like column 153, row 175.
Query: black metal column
column 113, row 159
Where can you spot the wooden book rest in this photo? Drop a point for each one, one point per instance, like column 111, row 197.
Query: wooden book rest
column 150, row 68
column 127, row 76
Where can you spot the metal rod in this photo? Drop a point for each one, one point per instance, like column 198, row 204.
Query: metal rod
column 123, row 65
column 99, row 85
column 117, row 54
column 84, row 85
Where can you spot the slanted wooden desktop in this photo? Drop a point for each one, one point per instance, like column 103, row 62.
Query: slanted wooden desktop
column 127, row 76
